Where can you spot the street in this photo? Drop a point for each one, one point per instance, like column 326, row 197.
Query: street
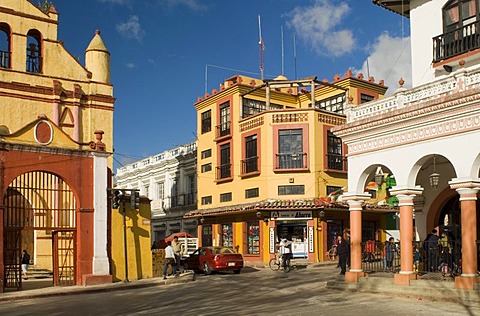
column 253, row 292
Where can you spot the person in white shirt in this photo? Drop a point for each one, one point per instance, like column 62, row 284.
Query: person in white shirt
column 169, row 260
column 285, row 250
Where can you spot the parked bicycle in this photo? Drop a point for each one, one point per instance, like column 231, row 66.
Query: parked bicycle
column 277, row 262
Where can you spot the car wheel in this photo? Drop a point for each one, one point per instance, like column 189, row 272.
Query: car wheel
column 206, row 269
column 237, row 271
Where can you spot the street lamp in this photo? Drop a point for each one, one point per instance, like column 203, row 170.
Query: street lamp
column 434, row 177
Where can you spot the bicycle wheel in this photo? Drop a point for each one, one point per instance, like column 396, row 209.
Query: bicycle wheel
column 332, row 254
column 287, row 266
column 274, row 264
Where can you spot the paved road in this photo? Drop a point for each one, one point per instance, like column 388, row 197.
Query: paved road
column 253, row 292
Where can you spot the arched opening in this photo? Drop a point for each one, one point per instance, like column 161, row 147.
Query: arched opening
column 5, row 48
column 34, row 51
column 40, row 217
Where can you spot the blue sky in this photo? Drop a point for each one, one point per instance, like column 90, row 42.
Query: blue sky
column 162, row 51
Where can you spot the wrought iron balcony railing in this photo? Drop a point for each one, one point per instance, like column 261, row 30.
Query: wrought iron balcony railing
column 34, row 64
column 336, row 162
column 456, row 42
column 4, row 59
column 223, row 129
column 224, row 171
column 291, row 161
column 249, row 165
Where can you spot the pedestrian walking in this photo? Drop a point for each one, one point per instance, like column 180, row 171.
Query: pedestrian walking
column 343, row 251
column 169, row 260
column 391, row 250
column 25, row 262
column 177, row 249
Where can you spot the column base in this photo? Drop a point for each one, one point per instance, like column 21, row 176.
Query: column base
column 404, row 279
column 354, row 276
column 91, row 279
column 466, row 283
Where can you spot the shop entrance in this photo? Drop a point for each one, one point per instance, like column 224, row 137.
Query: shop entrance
column 296, row 231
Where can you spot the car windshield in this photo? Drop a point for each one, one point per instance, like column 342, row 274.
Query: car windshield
column 221, row 250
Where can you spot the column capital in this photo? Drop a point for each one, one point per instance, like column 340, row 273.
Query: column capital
column 406, row 191
column 464, row 183
column 355, row 200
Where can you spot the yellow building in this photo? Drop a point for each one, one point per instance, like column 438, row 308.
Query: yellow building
column 56, row 136
column 266, row 157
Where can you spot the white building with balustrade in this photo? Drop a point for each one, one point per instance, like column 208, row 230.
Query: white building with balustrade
column 168, row 179
column 428, row 137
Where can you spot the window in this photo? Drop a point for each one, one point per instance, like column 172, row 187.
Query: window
column 223, row 170
column 291, row 189
column 160, row 190
column 227, row 235
column 206, row 200
column 251, row 193
column 332, row 189
column 206, row 121
column 364, row 98
column 373, row 193
column 250, row 164
column 206, row 153
column 290, row 146
column 335, row 104
column 224, row 127
column 253, row 240
column 457, row 14
column 226, row 197
column 174, row 192
column 251, row 107
column 34, row 52
column 190, row 198
column 206, row 167
column 334, row 152
column 5, row 54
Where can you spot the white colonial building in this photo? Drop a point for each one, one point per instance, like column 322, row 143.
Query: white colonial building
column 428, row 137
column 168, row 179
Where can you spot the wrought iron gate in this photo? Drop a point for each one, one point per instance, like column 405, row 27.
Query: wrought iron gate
column 43, row 203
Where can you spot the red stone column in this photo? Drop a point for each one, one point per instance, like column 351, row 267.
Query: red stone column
column 406, row 240
column 356, row 271
column 468, row 199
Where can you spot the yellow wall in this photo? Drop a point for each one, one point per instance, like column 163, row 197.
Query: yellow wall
column 138, row 243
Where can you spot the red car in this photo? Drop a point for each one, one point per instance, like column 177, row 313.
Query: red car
column 208, row 259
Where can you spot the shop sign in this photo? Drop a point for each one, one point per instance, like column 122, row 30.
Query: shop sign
column 292, row 215
column 271, row 239
column 310, row 238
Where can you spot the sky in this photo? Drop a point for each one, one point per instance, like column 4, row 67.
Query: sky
column 164, row 53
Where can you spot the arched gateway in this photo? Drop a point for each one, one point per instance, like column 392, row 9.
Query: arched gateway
column 39, row 216
column 54, row 205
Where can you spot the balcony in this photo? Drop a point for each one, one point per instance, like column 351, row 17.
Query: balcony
column 336, row 162
column 222, row 130
column 291, row 161
column 34, row 64
column 183, row 199
column 224, row 171
column 456, row 42
column 4, row 59
column 250, row 165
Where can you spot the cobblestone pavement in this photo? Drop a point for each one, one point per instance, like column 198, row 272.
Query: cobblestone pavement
column 253, row 292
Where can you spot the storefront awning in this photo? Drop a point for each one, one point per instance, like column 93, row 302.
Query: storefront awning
column 272, row 204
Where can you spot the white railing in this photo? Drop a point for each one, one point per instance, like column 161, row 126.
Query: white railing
column 159, row 158
column 457, row 81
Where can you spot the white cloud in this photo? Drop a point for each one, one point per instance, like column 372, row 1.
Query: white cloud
column 131, row 28
column 130, row 65
column 193, row 5
column 119, row 2
column 389, row 60
column 321, row 25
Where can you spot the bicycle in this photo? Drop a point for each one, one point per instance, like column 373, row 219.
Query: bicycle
column 277, row 262
column 332, row 253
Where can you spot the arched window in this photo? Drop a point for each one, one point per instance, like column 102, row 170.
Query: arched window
column 4, row 45
column 34, row 51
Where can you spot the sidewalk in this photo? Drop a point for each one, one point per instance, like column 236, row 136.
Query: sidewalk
column 78, row 289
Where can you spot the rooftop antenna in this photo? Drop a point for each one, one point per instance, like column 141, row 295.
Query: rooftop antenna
column 260, row 43
column 283, row 53
column 295, row 55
